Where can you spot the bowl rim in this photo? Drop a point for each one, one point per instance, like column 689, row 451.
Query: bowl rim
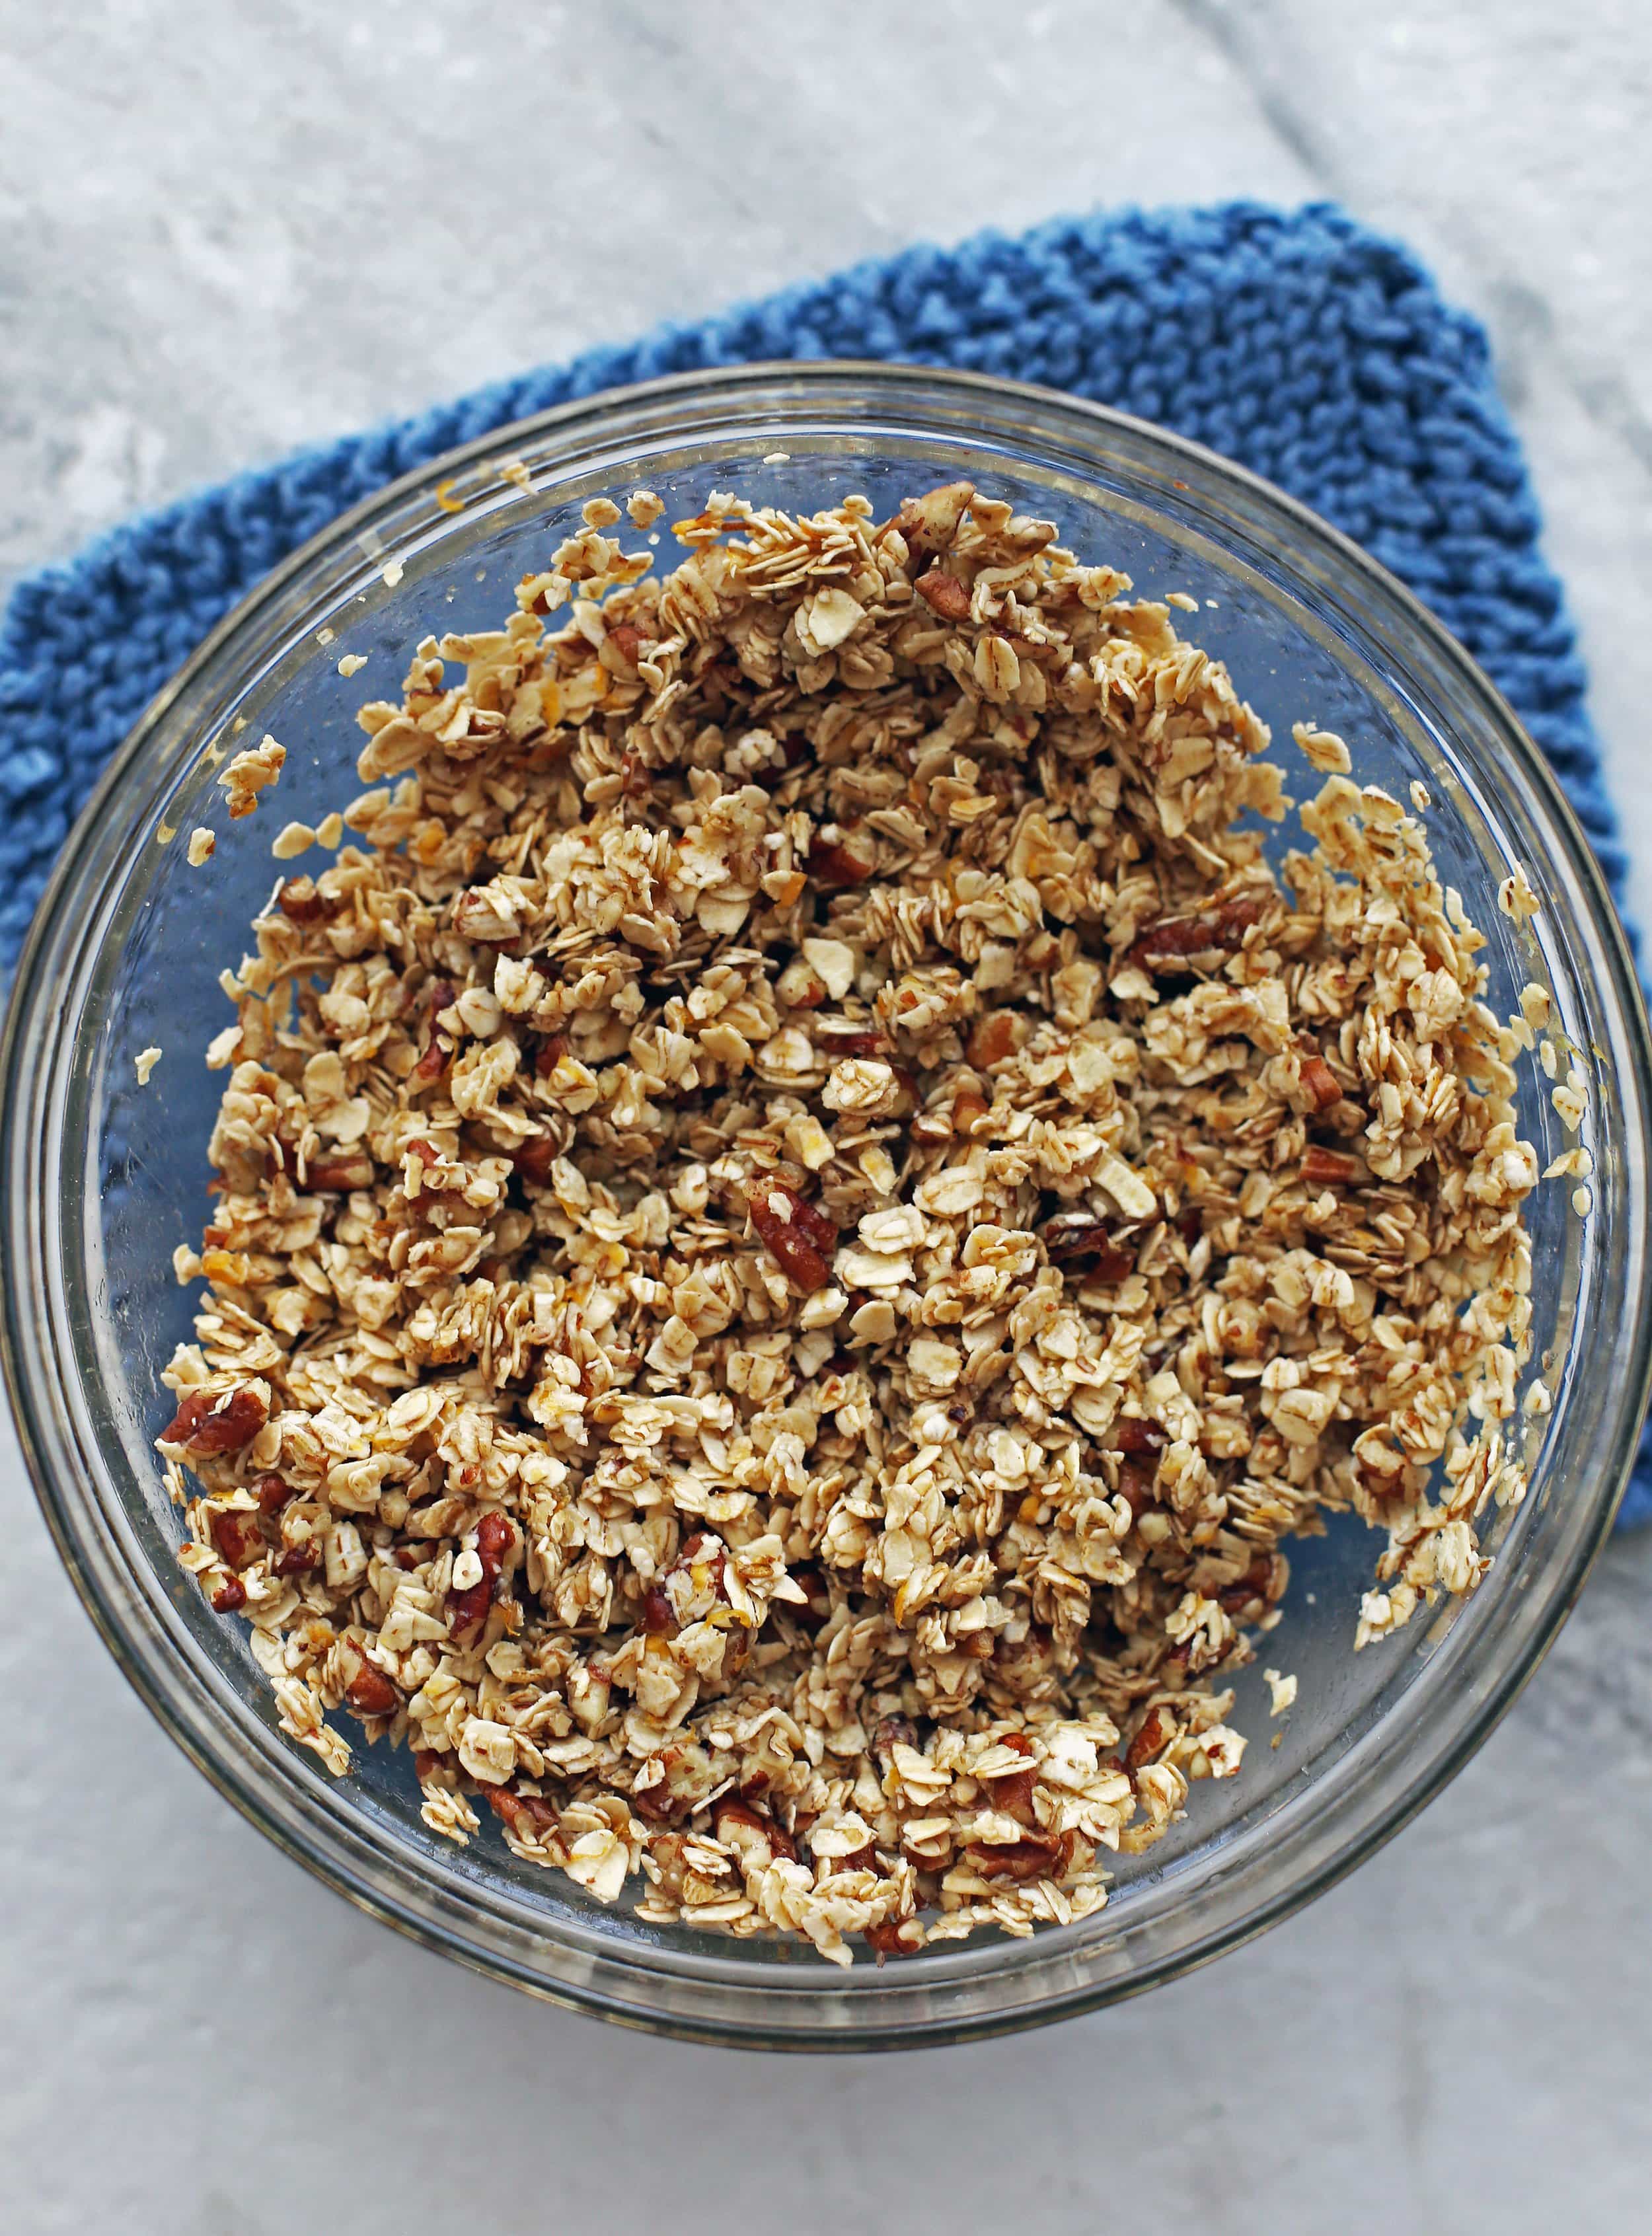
column 1497, row 1692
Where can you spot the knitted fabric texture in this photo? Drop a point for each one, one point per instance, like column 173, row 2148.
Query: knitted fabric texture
column 1316, row 353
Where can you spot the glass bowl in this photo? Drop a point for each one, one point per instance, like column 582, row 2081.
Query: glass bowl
column 103, row 1179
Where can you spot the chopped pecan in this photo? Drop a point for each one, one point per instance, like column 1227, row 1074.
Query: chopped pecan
column 749, row 1830
column 802, row 1242
column 1319, row 1081
column 1150, row 1739
column 817, row 1600
column 892, row 1936
column 369, row 1693
column 238, row 1537
column 495, row 1537
column 1076, row 1235
column 299, row 902
column 948, row 596
column 527, row 1815
column 229, row 1595
column 433, row 1062
column 273, row 1493
column 468, row 1605
column 992, row 1037
column 1136, row 1487
column 1040, row 1856
column 969, row 1107
column 1252, row 1589
column 1328, row 1167
column 1134, row 1434
column 628, row 641
column 1174, row 940
column 339, row 1175
column 889, row 1733
column 297, row 1561
column 687, row 1779
column 207, row 1425
column 549, row 1053
column 833, row 865
column 534, row 1159
column 1012, row 1792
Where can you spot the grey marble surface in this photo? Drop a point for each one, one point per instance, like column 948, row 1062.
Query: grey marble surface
column 227, row 225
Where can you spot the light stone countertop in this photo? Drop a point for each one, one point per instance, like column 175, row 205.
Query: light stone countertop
column 229, row 226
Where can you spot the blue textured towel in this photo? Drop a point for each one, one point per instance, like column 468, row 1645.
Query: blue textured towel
column 1315, row 352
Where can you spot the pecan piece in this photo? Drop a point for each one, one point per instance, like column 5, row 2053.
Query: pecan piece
column 888, row 1733
column 1328, row 1167
column 207, row 1426
column 494, row 1538
column 369, row 1693
column 1077, row 1236
column 1173, row 940
column 1319, row 1081
column 1012, row 1792
column 272, row 1493
column 1135, row 1488
column 229, row 1597
column 1042, row 1855
column 238, row 1537
column 817, row 1606
column 888, row 1937
column 433, row 1062
column 297, row 1561
column 1252, row 1589
column 1150, row 1738
column 834, row 865
column 534, row 1159
column 801, row 1242
column 469, row 1605
column 750, row 1831
column 992, row 1037
column 841, row 1044
column 339, row 1175
column 946, row 594
column 1133, row 1435
column 299, row 902
column 527, row 1815
column 969, row 1107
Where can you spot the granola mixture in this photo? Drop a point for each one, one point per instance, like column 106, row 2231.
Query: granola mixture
column 802, row 1213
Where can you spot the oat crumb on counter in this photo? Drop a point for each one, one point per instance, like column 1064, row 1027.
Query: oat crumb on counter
column 144, row 1062
column 809, row 1204
column 353, row 663
column 202, row 842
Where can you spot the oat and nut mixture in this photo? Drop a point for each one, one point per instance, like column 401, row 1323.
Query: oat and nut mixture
column 801, row 1213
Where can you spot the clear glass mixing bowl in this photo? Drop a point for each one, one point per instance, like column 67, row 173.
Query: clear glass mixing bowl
column 103, row 1179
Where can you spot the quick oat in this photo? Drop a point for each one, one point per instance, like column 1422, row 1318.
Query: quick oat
column 801, row 1215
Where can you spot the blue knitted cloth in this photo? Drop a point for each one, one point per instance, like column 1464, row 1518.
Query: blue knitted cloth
column 1313, row 351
